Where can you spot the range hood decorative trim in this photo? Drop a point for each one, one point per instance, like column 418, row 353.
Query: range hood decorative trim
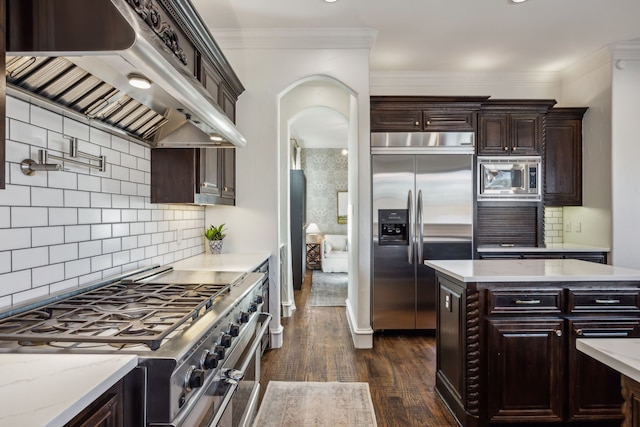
column 151, row 47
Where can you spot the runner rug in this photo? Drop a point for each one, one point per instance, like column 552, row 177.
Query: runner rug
column 318, row 404
column 328, row 289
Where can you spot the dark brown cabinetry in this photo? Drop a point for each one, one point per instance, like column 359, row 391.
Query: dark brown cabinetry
column 424, row 113
column 105, row 411
column 193, row 175
column 631, row 407
column 506, row 352
column 563, row 157
column 3, row 91
column 512, row 127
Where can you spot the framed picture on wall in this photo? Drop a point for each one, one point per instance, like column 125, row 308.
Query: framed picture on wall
column 342, row 207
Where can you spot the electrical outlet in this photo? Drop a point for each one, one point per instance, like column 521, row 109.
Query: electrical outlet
column 567, row 226
column 578, row 227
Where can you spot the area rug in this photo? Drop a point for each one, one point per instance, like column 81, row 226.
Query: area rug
column 318, row 404
column 328, row 289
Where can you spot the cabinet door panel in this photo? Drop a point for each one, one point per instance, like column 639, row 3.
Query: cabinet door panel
column 492, row 134
column 210, row 171
column 229, row 172
column 595, row 387
column 398, row 120
column 524, row 375
column 524, row 134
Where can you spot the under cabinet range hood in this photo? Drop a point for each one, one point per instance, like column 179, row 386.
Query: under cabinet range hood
column 80, row 55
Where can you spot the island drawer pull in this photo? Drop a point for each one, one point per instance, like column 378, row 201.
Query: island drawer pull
column 528, row 301
column 607, row 301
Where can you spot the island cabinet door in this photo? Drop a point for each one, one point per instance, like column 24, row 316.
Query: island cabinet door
column 525, row 370
column 594, row 388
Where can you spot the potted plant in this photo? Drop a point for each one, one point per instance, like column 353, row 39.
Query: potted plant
column 215, row 236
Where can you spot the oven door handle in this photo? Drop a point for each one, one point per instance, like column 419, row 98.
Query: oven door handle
column 233, row 376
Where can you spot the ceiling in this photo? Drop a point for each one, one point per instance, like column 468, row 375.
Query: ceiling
column 450, row 35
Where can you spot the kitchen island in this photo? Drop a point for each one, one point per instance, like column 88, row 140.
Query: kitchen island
column 506, row 339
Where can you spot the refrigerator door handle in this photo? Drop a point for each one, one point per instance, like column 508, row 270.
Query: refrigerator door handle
column 420, row 226
column 410, row 225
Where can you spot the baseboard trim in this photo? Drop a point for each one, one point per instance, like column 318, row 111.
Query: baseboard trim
column 362, row 337
column 276, row 337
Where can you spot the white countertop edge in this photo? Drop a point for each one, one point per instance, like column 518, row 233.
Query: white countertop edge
column 44, row 389
column 236, row 262
column 621, row 354
column 552, row 247
column 532, row 270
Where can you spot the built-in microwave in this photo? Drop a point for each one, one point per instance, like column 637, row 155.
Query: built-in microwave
column 509, row 179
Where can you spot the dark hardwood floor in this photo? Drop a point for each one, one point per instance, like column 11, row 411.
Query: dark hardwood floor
column 400, row 369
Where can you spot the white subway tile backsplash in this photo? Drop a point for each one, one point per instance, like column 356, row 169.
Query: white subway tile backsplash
column 111, row 215
column 74, row 128
column 77, row 233
column 15, row 238
column 100, row 200
column 77, row 268
column 15, row 282
column 89, row 249
column 47, row 197
column 17, row 109
column 62, row 253
column 47, row 236
column 48, row 221
column 120, row 144
column 29, row 217
column 100, row 231
column 28, row 134
column 5, row 217
column 111, row 245
column 28, row 258
column 89, row 183
column 120, row 230
column 101, row 262
column 48, row 274
column 46, row 118
column 64, row 179
column 16, row 152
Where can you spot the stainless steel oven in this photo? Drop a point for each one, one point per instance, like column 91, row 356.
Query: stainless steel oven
column 509, row 179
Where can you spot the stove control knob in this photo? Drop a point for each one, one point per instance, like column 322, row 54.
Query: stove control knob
column 210, row 359
column 244, row 317
column 253, row 308
column 259, row 299
column 220, row 351
column 225, row 340
column 195, row 378
column 234, row 330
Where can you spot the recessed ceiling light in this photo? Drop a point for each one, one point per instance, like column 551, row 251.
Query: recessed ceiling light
column 215, row 137
column 330, row 1
column 139, row 81
column 517, row 1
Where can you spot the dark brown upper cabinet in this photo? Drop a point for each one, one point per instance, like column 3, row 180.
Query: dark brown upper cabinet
column 424, row 113
column 512, row 127
column 563, row 157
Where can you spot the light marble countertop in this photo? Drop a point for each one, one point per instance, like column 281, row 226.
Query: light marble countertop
column 552, row 247
column 531, row 270
column 38, row 390
column 621, row 354
column 242, row 262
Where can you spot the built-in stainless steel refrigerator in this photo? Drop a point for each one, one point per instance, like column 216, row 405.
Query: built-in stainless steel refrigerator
column 422, row 188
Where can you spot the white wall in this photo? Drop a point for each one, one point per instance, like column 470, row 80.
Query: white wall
column 267, row 73
column 65, row 229
column 625, row 144
column 588, row 83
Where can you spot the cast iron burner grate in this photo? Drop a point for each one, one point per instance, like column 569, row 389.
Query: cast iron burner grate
column 118, row 313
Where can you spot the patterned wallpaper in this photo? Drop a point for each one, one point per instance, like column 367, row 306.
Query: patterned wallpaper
column 326, row 172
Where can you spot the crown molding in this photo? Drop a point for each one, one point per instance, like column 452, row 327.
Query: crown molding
column 296, row 38
column 463, row 78
column 591, row 63
column 626, row 51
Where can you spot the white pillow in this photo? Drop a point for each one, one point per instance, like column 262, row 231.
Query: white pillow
column 327, row 247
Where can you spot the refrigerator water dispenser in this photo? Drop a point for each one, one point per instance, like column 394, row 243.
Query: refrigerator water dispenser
column 394, row 228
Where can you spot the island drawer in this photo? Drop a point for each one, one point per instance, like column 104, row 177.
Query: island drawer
column 547, row 300
column 604, row 300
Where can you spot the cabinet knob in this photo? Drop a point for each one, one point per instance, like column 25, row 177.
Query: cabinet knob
column 506, row 148
column 226, row 189
column 417, row 123
column 578, row 331
column 558, row 332
column 514, row 148
column 428, row 122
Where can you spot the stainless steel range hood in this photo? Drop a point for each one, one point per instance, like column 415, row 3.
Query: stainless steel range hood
column 79, row 54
